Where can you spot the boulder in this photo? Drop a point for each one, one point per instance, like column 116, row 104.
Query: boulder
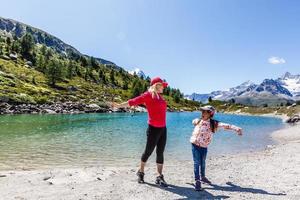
column 4, row 57
column 13, row 56
column 48, row 111
column 29, row 63
column 93, row 106
column 72, row 88
column 293, row 119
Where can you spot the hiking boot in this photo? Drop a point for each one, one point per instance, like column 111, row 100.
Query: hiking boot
column 161, row 181
column 198, row 185
column 140, row 177
column 205, row 180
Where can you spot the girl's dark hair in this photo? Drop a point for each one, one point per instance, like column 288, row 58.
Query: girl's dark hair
column 213, row 125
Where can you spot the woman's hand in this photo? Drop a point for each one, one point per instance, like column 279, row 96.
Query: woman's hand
column 239, row 131
column 121, row 105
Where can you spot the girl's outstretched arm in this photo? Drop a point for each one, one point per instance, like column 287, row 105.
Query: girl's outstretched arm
column 225, row 126
column 196, row 121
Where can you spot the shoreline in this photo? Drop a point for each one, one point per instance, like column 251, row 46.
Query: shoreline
column 284, row 117
column 265, row 174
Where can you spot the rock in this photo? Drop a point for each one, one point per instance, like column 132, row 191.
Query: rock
column 46, row 178
column 93, row 106
column 72, row 88
column 5, row 57
column 48, row 111
column 4, row 105
column 293, row 119
column 13, row 56
column 29, row 63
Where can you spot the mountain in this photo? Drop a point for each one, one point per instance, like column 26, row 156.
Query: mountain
column 223, row 95
column 285, row 89
column 12, row 28
column 269, row 92
column 138, row 72
column 235, row 91
column 198, row 97
column 291, row 83
column 38, row 69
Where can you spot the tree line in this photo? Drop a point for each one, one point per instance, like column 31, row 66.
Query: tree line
column 58, row 67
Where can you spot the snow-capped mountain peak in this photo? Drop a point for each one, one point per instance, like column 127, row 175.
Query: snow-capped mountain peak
column 291, row 83
column 286, row 88
column 137, row 72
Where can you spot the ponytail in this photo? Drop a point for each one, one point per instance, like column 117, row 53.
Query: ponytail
column 213, row 125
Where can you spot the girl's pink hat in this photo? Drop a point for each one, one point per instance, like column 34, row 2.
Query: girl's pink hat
column 209, row 108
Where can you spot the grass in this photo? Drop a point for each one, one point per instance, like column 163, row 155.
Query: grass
column 22, row 84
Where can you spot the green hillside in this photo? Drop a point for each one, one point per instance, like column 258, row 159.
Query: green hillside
column 33, row 73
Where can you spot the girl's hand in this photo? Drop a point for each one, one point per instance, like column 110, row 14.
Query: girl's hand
column 239, row 131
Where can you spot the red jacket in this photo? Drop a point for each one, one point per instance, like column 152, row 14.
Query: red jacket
column 157, row 108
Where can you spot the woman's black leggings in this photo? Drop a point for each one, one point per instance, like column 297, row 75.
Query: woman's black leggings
column 156, row 137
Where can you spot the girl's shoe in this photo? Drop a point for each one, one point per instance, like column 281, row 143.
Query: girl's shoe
column 198, row 185
column 140, row 177
column 205, row 180
column 161, row 181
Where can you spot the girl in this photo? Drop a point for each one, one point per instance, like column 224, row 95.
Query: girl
column 157, row 131
column 201, row 138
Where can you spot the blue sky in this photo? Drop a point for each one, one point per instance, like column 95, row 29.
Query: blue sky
column 198, row 46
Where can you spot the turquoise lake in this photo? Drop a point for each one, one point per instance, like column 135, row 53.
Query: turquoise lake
column 42, row 141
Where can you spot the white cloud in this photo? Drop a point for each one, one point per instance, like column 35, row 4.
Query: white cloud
column 276, row 60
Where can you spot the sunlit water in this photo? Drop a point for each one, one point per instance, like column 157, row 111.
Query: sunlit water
column 38, row 141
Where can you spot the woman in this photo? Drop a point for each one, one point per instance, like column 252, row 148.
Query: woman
column 157, row 131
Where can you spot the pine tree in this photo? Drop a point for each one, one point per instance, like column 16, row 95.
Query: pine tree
column 94, row 63
column 8, row 45
column 43, row 50
column 125, row 85
column 16, row 46
column 145, row 87
column 71, row 69
column 55, row 71
column 112, row 77
column 27, row 46
column 87, row 72
column 83, row 61
column 167, row 91
column 137, row 89
column 48, row 55
column 1, row 50
column 41, row 63
column 101, row 76
column 176, row 98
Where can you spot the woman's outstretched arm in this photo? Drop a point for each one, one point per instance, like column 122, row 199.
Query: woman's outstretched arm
column 134, row 102
column 122, row 105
